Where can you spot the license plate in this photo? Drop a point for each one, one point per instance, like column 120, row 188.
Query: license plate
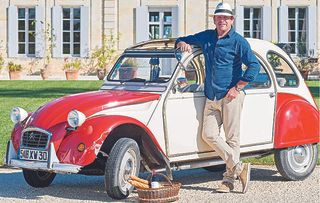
column 34, row 155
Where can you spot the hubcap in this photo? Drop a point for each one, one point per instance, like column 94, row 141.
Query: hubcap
column 299, row 158
column 128, row 167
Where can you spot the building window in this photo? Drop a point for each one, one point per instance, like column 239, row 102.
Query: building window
column 71, row 31
column 26, row 31
column 297, row 27
column 252, row 22
column 160, row 24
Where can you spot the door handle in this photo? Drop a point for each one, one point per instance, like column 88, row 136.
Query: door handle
column 272, row 94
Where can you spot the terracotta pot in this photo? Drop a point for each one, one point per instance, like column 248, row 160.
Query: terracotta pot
column 304, row 74
column 190, row 75
column 101, row 74
column 15, row 75
column 127, row 73
column 72, row 75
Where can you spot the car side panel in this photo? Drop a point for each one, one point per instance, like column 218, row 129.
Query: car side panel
column 92, row 134
column 297, row 121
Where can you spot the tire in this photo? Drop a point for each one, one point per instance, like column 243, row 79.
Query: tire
column 38, row 179
column 296, row 163
column 123, row 161
column 216, row 168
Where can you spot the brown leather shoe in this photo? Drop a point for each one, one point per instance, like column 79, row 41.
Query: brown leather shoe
column 245, row 177
column 225, row 187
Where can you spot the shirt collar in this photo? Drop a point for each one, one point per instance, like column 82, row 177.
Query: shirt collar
column 229, row 34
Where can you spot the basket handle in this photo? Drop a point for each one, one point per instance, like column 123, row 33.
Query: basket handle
column 155, row 174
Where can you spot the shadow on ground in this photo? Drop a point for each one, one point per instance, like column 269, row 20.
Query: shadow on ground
column 80, row 187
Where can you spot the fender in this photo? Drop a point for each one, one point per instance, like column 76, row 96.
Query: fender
column 16, row 136
column 16, row 132
column 93, row 133
column 297, row 121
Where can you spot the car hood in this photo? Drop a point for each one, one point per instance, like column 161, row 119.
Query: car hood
column 89, row 103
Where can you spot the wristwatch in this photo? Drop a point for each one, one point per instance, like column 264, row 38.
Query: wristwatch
column 237, row 88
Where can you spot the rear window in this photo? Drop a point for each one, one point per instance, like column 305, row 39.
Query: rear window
column 285, row 75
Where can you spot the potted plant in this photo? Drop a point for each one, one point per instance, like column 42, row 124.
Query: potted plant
column 304, row 67
column 50, row 39
column 72, row 68
column 14, row 71
column 104, row 56
column 128, row 69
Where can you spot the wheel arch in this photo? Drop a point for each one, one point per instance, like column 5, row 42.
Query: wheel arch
column 296, row 122
column 150, row 150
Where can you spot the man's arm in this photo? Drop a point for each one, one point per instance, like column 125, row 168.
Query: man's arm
column 251, row 61
column 253, row 68
column 184, row 43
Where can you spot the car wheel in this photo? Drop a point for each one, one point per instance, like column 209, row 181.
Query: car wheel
column 216, row 168
column 123, row 161
column 296, row 163
column 38, row 178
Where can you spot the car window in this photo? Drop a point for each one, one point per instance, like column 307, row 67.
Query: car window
column 143, row 69
column 190, row 79
column 285, row 76
column 261, row 81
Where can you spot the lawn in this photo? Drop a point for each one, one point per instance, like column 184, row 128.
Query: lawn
column 32, row 94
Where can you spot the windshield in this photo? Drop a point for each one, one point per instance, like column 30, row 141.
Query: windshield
column 153, row 69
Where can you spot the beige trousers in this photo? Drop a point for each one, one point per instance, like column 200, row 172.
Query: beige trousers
column 228, row 113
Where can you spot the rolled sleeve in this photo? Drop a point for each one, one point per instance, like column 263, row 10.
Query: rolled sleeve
column 195, row 39
column 250, row 60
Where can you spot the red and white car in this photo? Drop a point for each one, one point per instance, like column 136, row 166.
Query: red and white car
column 148, row 115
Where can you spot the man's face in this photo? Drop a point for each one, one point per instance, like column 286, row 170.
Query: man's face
column 223, row 23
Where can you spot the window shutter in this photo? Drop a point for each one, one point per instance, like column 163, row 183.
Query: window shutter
column 40, row 32
column 84, row 29
column 142, row 21
column 266, row 23
column 175, row 21
column 12, row 31
column 283, row 24
column 239, row 19
column 56, row 31
column 312, row 16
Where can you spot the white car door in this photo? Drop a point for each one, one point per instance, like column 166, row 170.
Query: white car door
column 184, row 110
column 258, row 112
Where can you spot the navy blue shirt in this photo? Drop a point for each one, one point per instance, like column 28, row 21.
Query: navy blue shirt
column 223, row 61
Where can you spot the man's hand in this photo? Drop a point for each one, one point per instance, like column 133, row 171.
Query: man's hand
column 234, row 91
column 184, row 47
column 232, row 94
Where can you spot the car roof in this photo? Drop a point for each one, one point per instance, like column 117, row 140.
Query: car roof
column 261, row 47
column 158, row 44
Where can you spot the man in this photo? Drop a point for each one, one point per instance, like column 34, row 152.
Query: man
column 224, row 51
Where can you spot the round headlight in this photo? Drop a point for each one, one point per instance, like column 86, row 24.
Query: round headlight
column 76, row 118
column 18, row 114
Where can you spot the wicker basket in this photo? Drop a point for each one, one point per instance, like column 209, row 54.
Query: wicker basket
column 169, row 192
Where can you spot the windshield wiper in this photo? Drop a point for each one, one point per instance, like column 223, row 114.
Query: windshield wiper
column 134, row 80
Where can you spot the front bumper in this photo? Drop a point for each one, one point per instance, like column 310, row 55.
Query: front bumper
column 52, row 165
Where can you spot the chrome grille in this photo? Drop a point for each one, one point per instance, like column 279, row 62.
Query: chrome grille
column 35, row 139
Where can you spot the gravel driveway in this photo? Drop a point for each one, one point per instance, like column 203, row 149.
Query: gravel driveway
column 198, row 186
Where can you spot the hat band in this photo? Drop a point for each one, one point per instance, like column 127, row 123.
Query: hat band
column 223, row 11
